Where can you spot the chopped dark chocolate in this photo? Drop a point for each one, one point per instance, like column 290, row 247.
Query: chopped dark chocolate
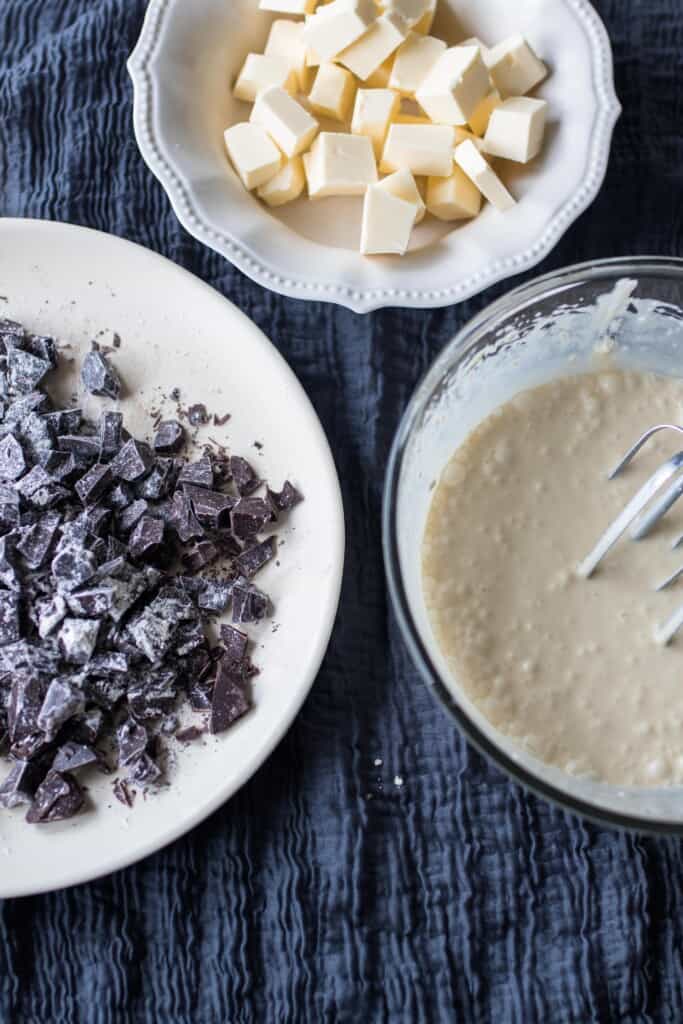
column 99, row 376
column 26, row 371
column 111, row 427
column 249, row 516
column 94, row 640
column 235, row 642
column 197, row 415
column 199, row 474
column 133, row 460
column 169, row 438
column 244, row 477
column 249, row 604
column 146, row 538
column 254, row 558
column 229, row 699
column 93, row 484
column 285, row 499
column 57, row 798
column 123, row 794
column 72, row 756
column 12, row 458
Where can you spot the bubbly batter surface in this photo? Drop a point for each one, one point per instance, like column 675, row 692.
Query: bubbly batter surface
column 566, row 667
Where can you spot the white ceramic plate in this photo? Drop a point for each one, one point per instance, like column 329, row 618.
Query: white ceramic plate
column 183, row 67
column 176, row 331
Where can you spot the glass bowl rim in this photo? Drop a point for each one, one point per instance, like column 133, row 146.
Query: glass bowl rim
column 517, row 298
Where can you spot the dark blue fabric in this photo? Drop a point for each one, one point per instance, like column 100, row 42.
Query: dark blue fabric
column 323, row 891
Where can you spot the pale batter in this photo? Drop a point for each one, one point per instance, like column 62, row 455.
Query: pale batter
column 566, row 667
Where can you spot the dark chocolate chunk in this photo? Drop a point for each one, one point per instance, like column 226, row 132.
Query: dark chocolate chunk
column 19, row 785
column 9, row 506
column 200, row 555
column 77, row 638
column 120, row 496
column 111, row 426
column 189, row 735
column 214, row 595
column 169, row 438
column 146, row 538
column 123, row 794
column 158, row 482
column 144, row 771
column 285, row 499
column 57, row 798
column 229, row 699
column 235, row 642
column 99, row 376
column 199, row 474
column 189, row 637
column 77, row 444
column 112, row 661
column 62, row 701
column 11, row 334
column 132, row 514
column 64, row 421
column 71, row 567
column 72, row 756
column 43, row 347
column 133, row 460
column 183, row 519
column 94, row 483
column 254, row 558
column 244, row 477
column 26, row 699
column 26, row 371
column 249, row 516
column 8, row 571
column 153, row 694
column 35, row 541
column 61, row 466
column 93, row 603
column 197, row 415
column 9, row 617
column 50, row 612
column 12, row 459
column 249, row 604
column 211, row 508
column 132, row 741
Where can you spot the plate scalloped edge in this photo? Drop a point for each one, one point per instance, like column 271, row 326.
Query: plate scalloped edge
column 179, row 191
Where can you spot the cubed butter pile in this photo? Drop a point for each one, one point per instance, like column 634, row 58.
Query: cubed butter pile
column 358, row 62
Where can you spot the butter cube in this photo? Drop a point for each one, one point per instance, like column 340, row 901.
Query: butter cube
column 514, row 67
column 454, row 87
column 379, row 79
column 340, row 165
column 516, row 127
column 254, row 155
column 402, row 184
column 260, row 72
column 333, row 91
column 414, row 59
column 422, row 149
column 410, row 10
column 370, row 51
column 387, row 223
column 285, row 120
column 479, row 120
column 336, row 25
column 478, row 170
column 286, row 41
column 374, row 111
column 288, row 6
column 453, row 198
column 424, row 25
column 288, row 184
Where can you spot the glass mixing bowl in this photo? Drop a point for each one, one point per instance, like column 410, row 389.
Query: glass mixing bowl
column 627, row 311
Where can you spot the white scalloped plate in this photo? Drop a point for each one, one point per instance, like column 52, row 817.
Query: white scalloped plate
column 182, row 69
column 176, row 331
